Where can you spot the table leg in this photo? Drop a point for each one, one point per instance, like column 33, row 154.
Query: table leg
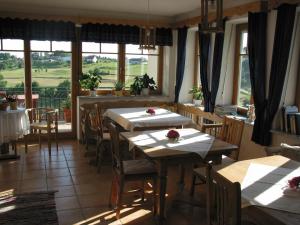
column 162, row 191
column 181, row 183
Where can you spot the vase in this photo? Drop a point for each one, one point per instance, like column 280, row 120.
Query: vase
column 145, row 91
column 13, row 105
column 67, row 115
column 92, row 93
column 197, row 102
column 119, row 93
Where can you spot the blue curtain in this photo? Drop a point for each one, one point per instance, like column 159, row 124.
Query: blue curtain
column 181, row 53
column 257, row 33
column 281, row 50
column 37, row 30
column 121, row 34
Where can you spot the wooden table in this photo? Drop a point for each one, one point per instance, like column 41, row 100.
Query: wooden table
column 263, row 215
column 137, row 118
column 165, row 157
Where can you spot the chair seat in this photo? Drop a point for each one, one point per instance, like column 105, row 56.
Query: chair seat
column 201, row 171
column 138, row 167
column 42, row 126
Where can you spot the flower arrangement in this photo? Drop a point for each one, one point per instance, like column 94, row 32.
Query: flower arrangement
column 173, row 135
column 294, row 183
column 150, row 111
column 11, row 98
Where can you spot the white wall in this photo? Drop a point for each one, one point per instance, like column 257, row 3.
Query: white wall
column 188, row 78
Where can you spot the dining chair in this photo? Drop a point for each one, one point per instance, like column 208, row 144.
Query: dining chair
column 231, row 132
column 223, row 201
column 43, row 121
column 128, row 170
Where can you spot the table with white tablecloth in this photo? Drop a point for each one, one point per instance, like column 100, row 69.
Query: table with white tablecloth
column 137, row 118
column 14, row 124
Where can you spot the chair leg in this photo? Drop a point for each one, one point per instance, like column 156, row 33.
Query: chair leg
column 192, row 191
column 40, row 142
column 119, row 197
column 49, row 142
column 154, row 186
column 99, row 156
column 26, row 143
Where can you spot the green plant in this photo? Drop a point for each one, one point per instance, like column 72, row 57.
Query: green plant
column 136, row 86
column 91, row 79
column 67, row 103
column 197, row 93
column 148, row 82
column 119, row 86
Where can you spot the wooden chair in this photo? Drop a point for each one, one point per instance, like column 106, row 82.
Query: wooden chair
column 43, row 120
column 128, row 170
column 223, row 200
column 231, row 132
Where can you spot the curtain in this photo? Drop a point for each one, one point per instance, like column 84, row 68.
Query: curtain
column 50, row 30
column 181, row 52
column 12, row 28
column 204, row 46
column 121, row 34
column 281, row 50
column 257, row 33
column 216, row 70
column 37, row 30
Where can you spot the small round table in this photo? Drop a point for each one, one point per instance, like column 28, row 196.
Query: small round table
column 14, row 124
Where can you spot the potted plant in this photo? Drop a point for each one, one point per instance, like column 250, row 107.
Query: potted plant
column 3, row 104
column 197, row 95
column 147, row 84
column 12, row 100
column 119, row 86
column 136, row 86
column 91, row 80
column 66, row 105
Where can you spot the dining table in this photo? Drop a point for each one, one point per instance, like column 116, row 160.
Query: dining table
column 14, row 124
column 266, row 196
column 191, row 147
column 138, row 119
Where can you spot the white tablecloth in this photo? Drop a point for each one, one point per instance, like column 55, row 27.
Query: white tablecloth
column 191, row 140
column 130, row 118
column 13, row 125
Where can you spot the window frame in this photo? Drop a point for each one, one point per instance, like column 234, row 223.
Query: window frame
column 240, row 28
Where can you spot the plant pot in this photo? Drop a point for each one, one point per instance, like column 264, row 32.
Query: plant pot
column 13, row 105
column 3, row 106
column 119, row 93
column 67, row 115
column 92, row 93
column 145, row 91
column 84, row 92
column 197, row 102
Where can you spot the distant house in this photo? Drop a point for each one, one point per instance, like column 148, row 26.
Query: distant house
column 135, row 61
column 90, row 59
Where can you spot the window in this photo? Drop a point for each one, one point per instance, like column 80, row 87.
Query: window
column 51, row 74
column 138, row 62
column 242, row 84
column 12, row 73
column 104, row 57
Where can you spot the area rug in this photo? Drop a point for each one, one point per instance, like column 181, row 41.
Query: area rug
column 34, row 208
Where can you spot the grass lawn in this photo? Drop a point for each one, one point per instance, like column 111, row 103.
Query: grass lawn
column 54, row 76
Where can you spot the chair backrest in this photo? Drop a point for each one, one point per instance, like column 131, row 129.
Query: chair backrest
column 232, row 130
column 223, row 200
column 99, row 114
column 117, row 161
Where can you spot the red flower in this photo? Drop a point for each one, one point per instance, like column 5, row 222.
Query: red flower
column 173, row 134
column 150, row 111
column 294, row 182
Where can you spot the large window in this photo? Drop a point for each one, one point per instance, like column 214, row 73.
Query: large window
column 51, row 74
column 138, row 62
column 12, row 74
column 102, row 57
column 242, row 86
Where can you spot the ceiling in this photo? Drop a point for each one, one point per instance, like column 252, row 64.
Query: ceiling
column 159, row 9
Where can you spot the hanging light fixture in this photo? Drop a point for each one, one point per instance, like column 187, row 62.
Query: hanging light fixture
column 217, row 11
column 148, row 34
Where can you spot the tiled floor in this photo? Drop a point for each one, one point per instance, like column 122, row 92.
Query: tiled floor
column 82, row 195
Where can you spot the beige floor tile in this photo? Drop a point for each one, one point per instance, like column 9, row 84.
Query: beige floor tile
column 83, row 171
column 68, row 217
column 33, row 183
column 100, row 215
column 92, row 188
column 52, row 173
column 59, row 181
column 35, row 174
column 63, row 191
column 93, row 200
column 56, row 165
column 66, row 203
column 85, row 179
